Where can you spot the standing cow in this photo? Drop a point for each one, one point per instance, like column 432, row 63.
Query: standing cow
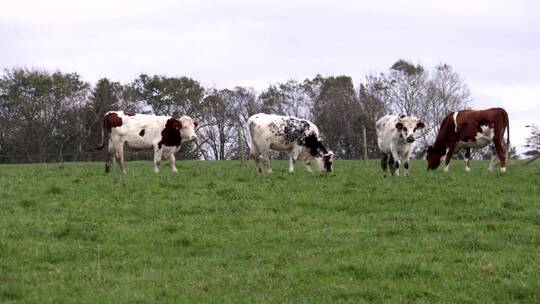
column 287, row 133
column 164, row 134
column 471, row 129
column 395, row 137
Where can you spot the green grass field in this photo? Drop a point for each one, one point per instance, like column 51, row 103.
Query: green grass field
column 217, row 232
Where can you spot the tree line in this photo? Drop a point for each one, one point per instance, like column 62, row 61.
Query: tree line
column 56, row 116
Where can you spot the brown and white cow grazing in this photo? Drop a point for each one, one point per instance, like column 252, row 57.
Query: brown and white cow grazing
column 471, row 129
column 287, row 133
column 395, row 137
column 164, row 134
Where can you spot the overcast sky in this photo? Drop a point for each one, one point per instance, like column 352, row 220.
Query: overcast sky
column 494, row 45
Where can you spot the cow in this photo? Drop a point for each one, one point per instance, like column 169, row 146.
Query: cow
column 471, row 129
column 164, row 134
column 287, row 133
column 395, row 137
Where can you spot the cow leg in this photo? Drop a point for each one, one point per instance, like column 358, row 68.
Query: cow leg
column 391, row 165
column 448, row 157
column 501, row 153
column 397, row 162
column 110, row 157
column 292, row 161
column 256, row 155
column 295, row 153
column 384, row 163
column 406, row 168
column 172, row 162
column 157, row 158
column 266, row 159
column 494, row 158
column 120, row 156
column 306, row 159
column 467, row 159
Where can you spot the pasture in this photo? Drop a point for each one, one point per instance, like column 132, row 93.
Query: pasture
column 217, row 232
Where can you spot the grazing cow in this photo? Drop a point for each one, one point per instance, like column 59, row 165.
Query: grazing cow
column 395, row 137
column 471, row 129
column 164, row 134
column 287, row 133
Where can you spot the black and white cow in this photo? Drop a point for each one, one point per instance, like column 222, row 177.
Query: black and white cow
column 286, row 133
column 163, row 134
column 395, row 137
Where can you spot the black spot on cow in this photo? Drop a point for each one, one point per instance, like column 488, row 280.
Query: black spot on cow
column 313, row 144
column 294, row 130
column 170, row 135
column 141, row 134
column 290, row 130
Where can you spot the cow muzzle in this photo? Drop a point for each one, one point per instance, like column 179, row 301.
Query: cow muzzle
column 410, row 139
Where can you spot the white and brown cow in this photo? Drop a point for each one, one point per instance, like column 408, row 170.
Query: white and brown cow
column 164, row 134
column 286, row 133
column 471, row 129
column 395, row 137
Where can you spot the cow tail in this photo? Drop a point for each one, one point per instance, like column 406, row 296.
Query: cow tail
column 102, row 135
column 249, row 126
column 507, row 129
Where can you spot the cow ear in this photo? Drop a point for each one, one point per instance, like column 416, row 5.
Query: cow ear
column 420, row 125
column 399, row 126
column 196, row 124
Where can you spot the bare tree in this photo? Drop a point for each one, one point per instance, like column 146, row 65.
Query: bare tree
column 405, row 88
column 218, row 132
column 371, row 98
column 245, row 103
column 446, row 92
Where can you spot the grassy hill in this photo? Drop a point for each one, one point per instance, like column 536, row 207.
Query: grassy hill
column 218, row 232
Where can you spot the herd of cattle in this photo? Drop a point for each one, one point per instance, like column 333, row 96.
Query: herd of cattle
column 466, row 129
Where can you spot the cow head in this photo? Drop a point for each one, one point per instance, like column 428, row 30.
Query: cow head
column 325, row 161
column 316, row 149
column 187, row 126
column 434, row 158
column 407, row 127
